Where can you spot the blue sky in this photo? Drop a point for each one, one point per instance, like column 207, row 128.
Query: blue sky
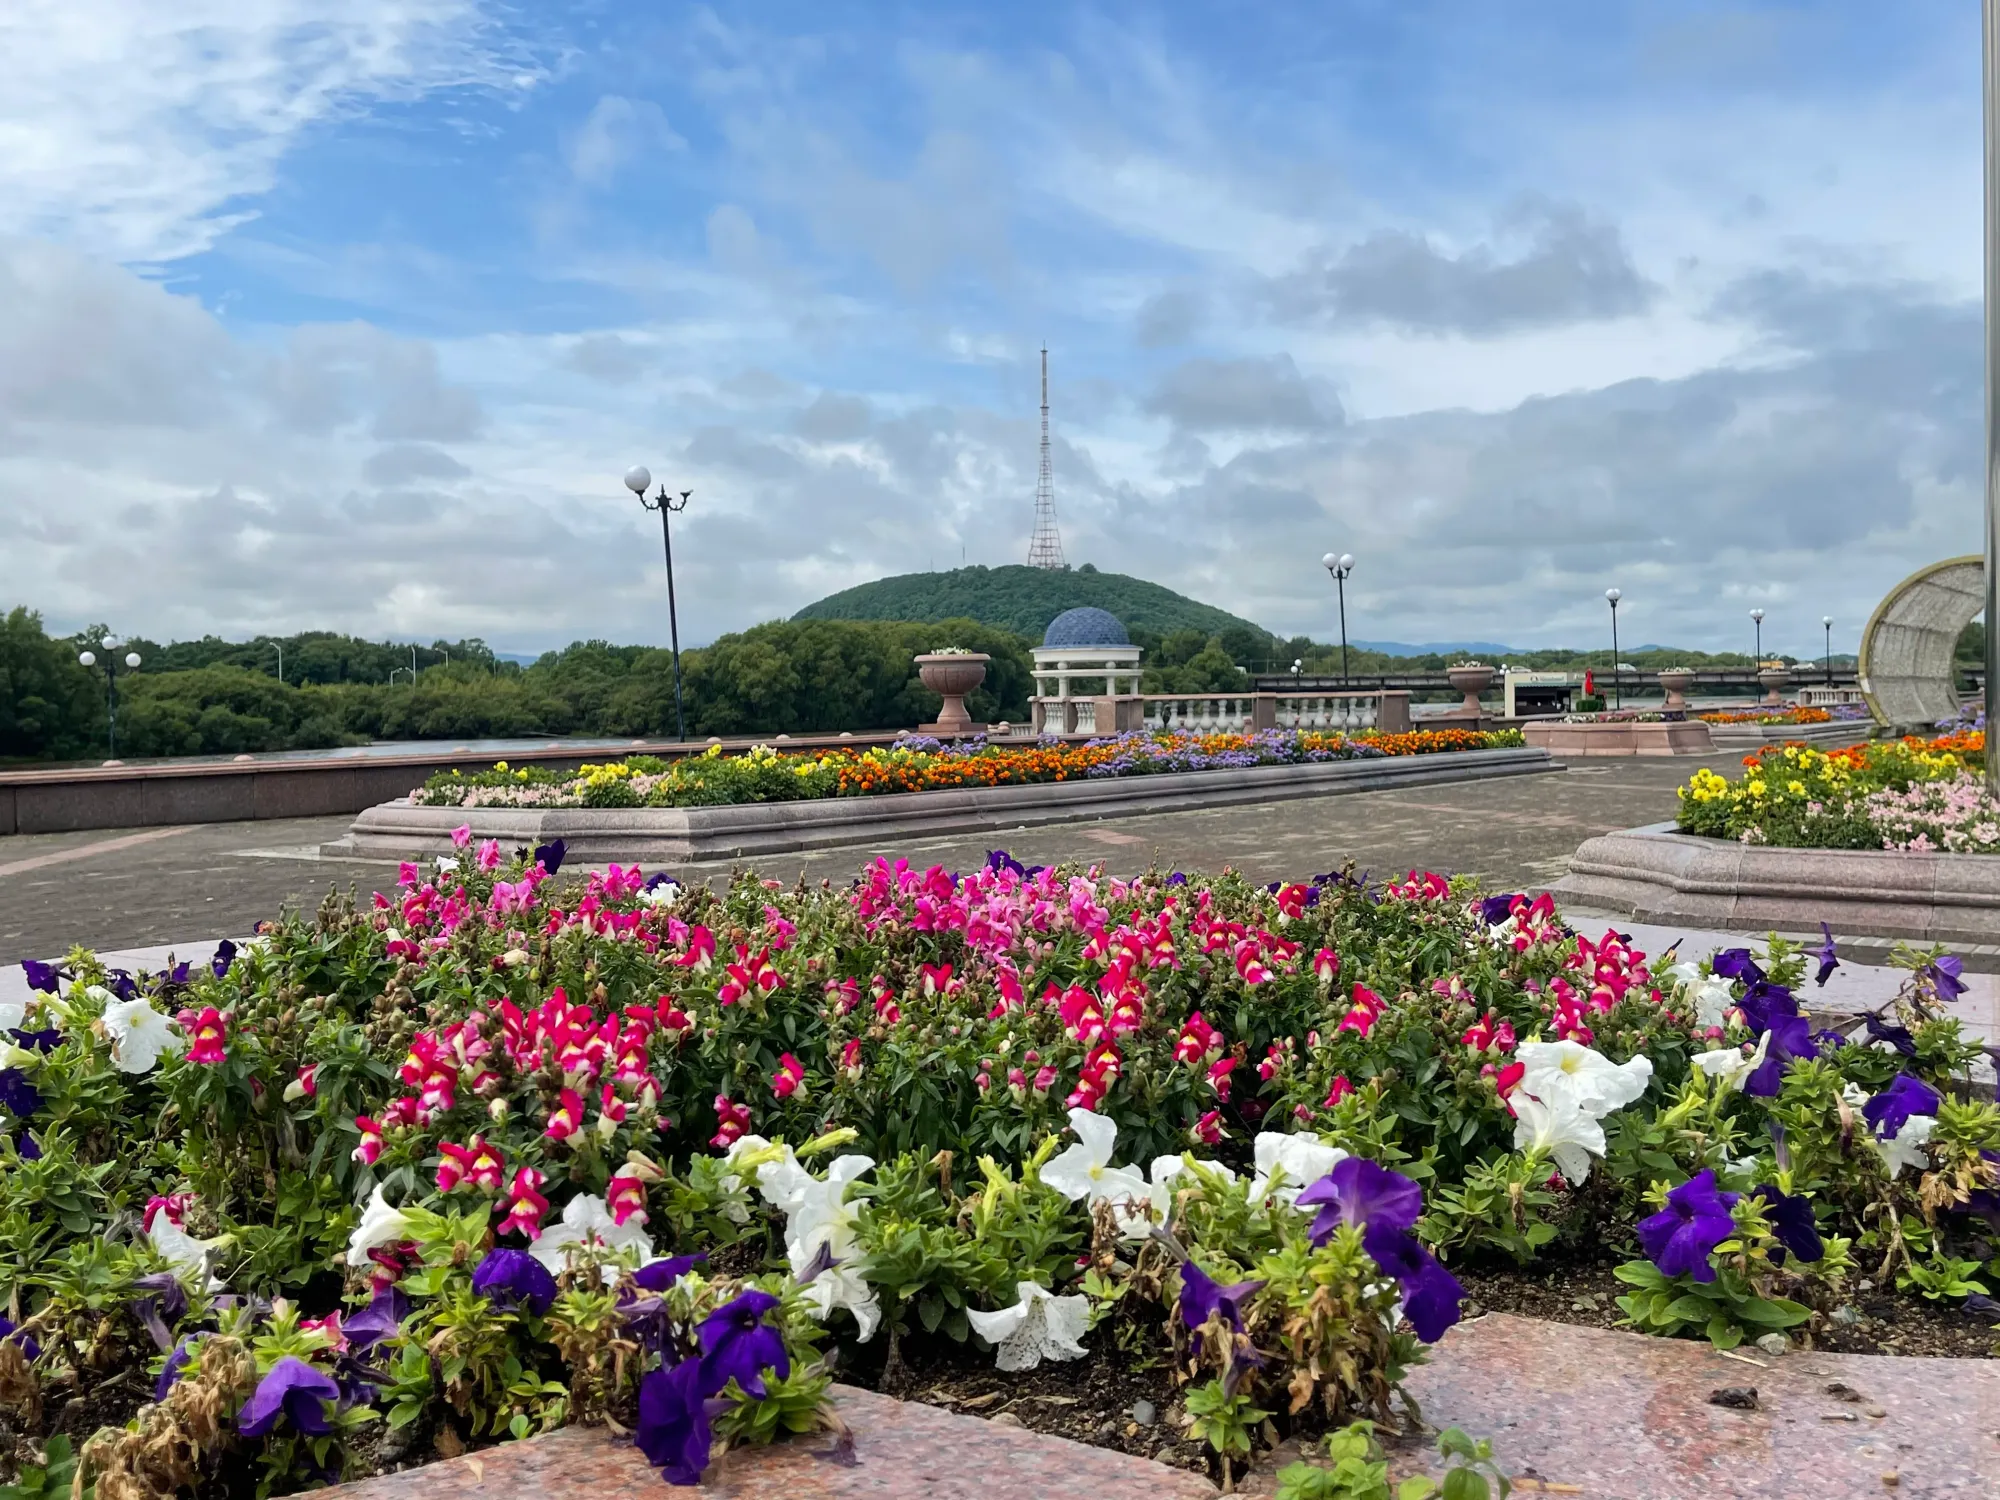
column 351, row 314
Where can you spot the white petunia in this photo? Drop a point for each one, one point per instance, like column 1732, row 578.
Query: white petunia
column 586, row 1220
column 446, row 864
column 1562, row 1131
column 380, row 1225
column 180, row 1249
column 1289, row 1164
column 823, row 1220
column 665, row 894
column 1712, row 996
column 1040, row 1326
column 1085, row 1172
column 1729, row 1067
column 139, row 1035
column 1136, row 1218
column 1853, row 1095
column 1569, row 1071
column 1906, row 1147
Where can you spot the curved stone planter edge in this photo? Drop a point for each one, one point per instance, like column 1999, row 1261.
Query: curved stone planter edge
column 681, row 834
column 1655, row 874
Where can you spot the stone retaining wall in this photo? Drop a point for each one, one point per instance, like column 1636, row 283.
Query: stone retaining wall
column 1620, row 737
column 1656, row 874
column 670, row 835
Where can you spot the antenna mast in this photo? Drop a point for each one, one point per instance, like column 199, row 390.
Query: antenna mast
column 1046, row 549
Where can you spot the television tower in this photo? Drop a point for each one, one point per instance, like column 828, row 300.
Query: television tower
column 1046, row 550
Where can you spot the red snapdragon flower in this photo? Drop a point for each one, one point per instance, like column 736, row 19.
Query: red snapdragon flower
column 371, row 1140
column 207, row 1036
column 733, row 1120
column 1366, row 1010
column 790, row 1077
column 1326, row 967
column 1198, row 1041
column 567, row 1118
column 1340, row 1090
column 475, row 1164
column 625, row 1196
column 1208, row 1129
column 524, row 1203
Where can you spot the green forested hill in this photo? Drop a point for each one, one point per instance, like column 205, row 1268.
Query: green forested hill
column 1024, row 600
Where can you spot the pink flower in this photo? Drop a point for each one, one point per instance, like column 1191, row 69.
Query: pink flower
column 790, row 1077
column 1218, row 1076
column 567, row 1118
column 524, row 1203
column 1198, row 1041
column 1367, row 1009
column 1326, row 967
column 844, row 993
column 328, row 1325
column 306, row 1085
column 936, row 980
column 1208, row 1129
column 474, row 1164
column 1488, row 1032
column 1045, row 1078
column 461, row 835
column 733, row 1120
column 489, row 854
column 625, row 1195
column 173, row 1205
column 370, row 1148
column 1340, row 1090
column 206, row 1037
column 408, row 874
column 850, row 1058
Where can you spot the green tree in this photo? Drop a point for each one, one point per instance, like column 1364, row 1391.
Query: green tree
column 50, row 707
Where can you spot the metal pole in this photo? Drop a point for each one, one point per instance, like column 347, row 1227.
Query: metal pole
column 673, row 615
column 111, row 702
column 1990, row 77
column 1758, row 663
column 1341, row 579
column 1829, row 656
column 1617, row 686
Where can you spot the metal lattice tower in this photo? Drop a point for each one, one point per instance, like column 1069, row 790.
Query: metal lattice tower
column 1046, row 550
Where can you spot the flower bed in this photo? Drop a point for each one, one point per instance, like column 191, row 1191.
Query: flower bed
column 919, row 764
column 500, row 1152
column 1767, row 716
column 1911, row 794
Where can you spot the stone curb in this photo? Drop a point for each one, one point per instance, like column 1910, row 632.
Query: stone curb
column 1756, row 736
column 679, row 835
column 1655, row 874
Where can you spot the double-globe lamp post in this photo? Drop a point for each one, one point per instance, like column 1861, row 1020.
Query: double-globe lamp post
column 638, row 479
column 1340, row 564
column 1611, row 597
column 88, row 659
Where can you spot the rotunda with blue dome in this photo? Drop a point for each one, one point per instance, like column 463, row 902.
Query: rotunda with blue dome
column 1086, row 675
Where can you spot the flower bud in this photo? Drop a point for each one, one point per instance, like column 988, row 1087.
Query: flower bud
column 498, row 1109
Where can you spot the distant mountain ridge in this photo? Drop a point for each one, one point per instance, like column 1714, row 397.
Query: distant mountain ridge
column 1438, row 648
column 1024, row 600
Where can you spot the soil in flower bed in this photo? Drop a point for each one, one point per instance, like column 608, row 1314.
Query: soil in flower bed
column 1588, row 1295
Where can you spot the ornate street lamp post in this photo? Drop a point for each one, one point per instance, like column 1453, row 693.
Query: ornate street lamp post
column 637, row 479
column 1611, row 597
column 1340, row 565
column 1757, row 661
column 1827, row 621
column 87, row 659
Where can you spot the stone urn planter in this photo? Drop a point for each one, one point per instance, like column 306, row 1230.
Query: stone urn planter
column 1470, row 678
column 1773, row 680
column 1676, row 681
column 951, row 675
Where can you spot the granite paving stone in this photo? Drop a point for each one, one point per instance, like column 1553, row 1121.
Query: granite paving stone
column 901, row 1451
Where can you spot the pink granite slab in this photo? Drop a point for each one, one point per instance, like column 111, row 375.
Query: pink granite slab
column 901, row 1449
column 1598, row 1415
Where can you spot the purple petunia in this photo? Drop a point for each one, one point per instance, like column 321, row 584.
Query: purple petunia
column 658, row 1275
column 1202, row 1297
column 18, row 1097
column 737, row 1344
column 1764, row 1004
column 293, row 1389
column 1945, row 976
column 1790, row 1216
column 1898, row 1037
column 379, row 1321
column 176, row 1363
column 550, row 856
column 999, row 860
column 41, row 976
column 225, row 955
column 164, row 1302
column 514, row 1278
column 44, row 1041
column 1431, row 1294
column 27, row 1342
column 1828, row 956
column 28, row 1148
column 1889, row 1111
column 1360, row 1192
column 1680, row 1238
column 1791, row 1038
column 1494, row 910
column 1736, row 963
column 673, row 1430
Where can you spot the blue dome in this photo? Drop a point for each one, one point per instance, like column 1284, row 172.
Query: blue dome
column 1085, row 627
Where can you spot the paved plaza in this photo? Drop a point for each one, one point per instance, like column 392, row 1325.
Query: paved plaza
column 112, row 889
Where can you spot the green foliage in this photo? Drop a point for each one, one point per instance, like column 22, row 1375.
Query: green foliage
column 1356, row 1470
column 1726, row 1310
column 48, row 1480
column 49, row 705
column 1223, row 1420
column 1022, row 600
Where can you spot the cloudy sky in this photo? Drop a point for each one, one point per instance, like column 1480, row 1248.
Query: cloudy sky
column 351, row 313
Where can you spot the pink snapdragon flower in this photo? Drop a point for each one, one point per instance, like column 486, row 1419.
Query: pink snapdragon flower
column 461, row 836
column 790, row 1078
column 733, row 1120
column 625, row 1196
column 524, row 1203
column 489, row 855
column 370, row 1149
column 207, row 1036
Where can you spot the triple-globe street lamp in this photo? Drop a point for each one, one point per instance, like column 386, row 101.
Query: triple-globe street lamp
column 638, row 479
column 110, row 646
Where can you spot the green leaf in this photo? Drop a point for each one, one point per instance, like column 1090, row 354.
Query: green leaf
column 1772, row 1312
column 1723, row 1333
column 1690, row 1309
column 1464, row 1484
column 1416, row 1487
column 930, row 1311
column 1639, row 1273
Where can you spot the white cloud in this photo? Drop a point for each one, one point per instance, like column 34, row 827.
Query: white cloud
column 143, row 129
